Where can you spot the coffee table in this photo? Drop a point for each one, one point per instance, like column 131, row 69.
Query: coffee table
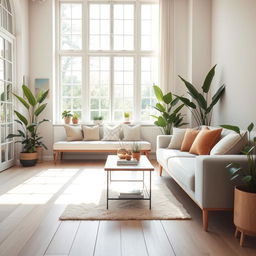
column 143, row 166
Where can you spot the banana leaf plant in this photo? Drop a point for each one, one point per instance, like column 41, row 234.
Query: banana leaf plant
column 200, row 106
column 248, row 175
column 28, row 133
column 169, row 110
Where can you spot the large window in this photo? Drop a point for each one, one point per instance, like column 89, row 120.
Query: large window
column 107, row 58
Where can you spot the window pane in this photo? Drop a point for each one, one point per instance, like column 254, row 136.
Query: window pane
column 71, row 84
column 99, row 20
column 99, row 80
column 123, row 26
column 149, row 76
column 71, row 26
column 123, row 86
column 149, row 27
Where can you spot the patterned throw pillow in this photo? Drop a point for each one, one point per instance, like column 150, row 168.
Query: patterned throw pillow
column 111, row 132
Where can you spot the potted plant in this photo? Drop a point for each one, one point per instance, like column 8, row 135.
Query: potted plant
column 136, row 151
column 126, row 117
column 66, row 115
column 28, row 134
column 97, row 120
column 75, row 118
column 202, row 109
column 169, row 117
column 245, row 193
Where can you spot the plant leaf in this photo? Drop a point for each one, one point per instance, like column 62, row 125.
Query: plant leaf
column 29, row 95
column 21, row 117
column 39, row 110
column 177, row 110
column 192, row 90
column 247, row 178
column 160, row 107
column 23, row 101
column 42, row 96
column 11, row 136
column 231, row 127
column 174, row 102
column 216, row 98
column 187, row 102
column 167, row 98
column 161, row 122
column 250, row 127
column 158, row 93
column 208, row 80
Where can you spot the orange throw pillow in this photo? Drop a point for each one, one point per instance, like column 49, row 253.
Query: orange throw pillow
column 189, row 138
column 205, row 141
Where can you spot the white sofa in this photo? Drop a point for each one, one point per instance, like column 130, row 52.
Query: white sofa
column 204, row 178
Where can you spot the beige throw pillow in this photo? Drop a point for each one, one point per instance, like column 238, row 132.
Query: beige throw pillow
column 177, row 138
column 73, row 132
column 231, row 144
column 131, row 132
column 111, row 133
column 91, row 133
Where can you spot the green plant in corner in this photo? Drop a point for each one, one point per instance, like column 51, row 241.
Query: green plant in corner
column 169, row 117
column 248, row 175
column 201, row 108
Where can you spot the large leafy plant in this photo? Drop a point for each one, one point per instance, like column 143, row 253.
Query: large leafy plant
column 28, row 133
column 247, row 175
column 200, row 106
column 169, row 117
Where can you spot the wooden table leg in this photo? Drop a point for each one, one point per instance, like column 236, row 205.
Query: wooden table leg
column 236, row 233
column 242, row 238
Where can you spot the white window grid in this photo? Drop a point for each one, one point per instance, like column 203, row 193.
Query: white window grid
column 85, row 53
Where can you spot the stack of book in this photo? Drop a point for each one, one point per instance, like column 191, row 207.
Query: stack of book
column 127, row 162
column 132, row 194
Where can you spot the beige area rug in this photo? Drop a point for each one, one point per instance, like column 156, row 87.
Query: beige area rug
column 87, row 197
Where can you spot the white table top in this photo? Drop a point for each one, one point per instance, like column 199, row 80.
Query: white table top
column 143, row 165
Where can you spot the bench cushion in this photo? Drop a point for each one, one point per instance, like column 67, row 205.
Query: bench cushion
column 98, row 145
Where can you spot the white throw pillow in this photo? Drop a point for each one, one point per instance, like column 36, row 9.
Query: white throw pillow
column 131, row 132
column 231, row 144
column 177, row 138
column 111, row 132
column 73, row 132
column 91, row 133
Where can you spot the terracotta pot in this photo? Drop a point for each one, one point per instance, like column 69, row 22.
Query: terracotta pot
column 75, row 120
column 136, row 155
column 245, row 210
column 28, row 159
column 67, row 120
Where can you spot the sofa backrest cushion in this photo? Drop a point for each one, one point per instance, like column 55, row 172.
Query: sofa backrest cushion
column 189, row 138
column 231, row 144
column 205, row 141
column 177, row 138
column 111, row 133
column 73, row 132
column 91, row 133
column 131, row 132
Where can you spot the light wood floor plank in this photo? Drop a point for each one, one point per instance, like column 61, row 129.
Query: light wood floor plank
column 84, row 243
column 156, row 239
column 108, row 239
column 132, row 239
column 63, row 238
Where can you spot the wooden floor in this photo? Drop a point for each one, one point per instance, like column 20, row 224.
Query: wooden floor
column 32, row 199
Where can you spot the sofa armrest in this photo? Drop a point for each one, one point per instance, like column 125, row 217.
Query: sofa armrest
column 162, row 141
column 213, row 187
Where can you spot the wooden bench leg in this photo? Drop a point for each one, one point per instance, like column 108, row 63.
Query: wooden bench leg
column 205, row 219
column 146, row 153
column 160, row 169
column 61, row 155
column 55, row 156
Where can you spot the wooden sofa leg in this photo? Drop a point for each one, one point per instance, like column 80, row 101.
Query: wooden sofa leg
column 160, row 169
column 205, row 219
column 61, row 155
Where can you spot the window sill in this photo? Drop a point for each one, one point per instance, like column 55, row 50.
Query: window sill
column 92, row 124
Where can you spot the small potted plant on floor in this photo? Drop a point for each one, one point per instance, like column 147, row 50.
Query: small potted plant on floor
column 245, row 193
column 126, row 117
column 75, row 118
column 98, row 120
column 66, row 116
column 136, row 151
column 28, row 134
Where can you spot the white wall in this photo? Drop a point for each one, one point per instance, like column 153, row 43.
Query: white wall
column 234, row 49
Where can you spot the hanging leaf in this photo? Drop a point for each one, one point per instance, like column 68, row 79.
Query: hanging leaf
column 208, row 80
column 29, row 95
column 216, row 98
column 42, row 96
column 250, row 127
column 187, row 102
column 24, row 102
column 21, row 117
column 231, row 127
column 167, row 98
column 158, row 93
column 39, row 110
column 192, row 90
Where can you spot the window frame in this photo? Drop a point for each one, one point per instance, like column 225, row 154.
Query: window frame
column 86, row 53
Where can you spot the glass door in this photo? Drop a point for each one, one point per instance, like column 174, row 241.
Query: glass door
column 6, row 103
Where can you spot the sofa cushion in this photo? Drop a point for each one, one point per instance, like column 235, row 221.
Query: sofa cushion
column 97, row 145
column 111, row 133
column 183, row 170
column 73, row 133
column 177, row 138
column 131, row 132
column 189, row 138
column 164, row 154
column 91, row 133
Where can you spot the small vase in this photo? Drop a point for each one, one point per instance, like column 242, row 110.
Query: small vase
column 136, row 155
column 75, row 120
column 67, row 120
